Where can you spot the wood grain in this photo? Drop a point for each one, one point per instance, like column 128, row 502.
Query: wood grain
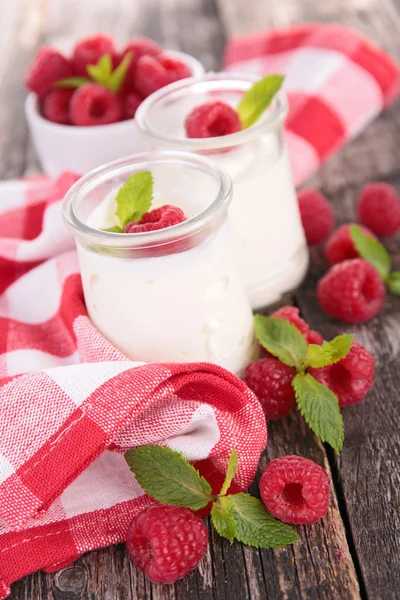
column 366, row 476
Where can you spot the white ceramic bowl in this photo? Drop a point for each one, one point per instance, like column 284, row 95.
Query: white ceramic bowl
column 81, row 149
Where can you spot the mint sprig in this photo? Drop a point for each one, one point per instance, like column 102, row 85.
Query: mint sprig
column 317, row 403
column 320, row 408
column 376, row 254
column 134, row 198
column 103, row 73
column 282, row 339
column 257, row 99
column 166, row 476
column 71, row 82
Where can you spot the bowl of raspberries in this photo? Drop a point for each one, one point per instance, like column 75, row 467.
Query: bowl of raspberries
column 81, row 107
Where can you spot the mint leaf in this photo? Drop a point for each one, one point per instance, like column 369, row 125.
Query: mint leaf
column 329, row 352
column 117, row 77
column 71, row 82
column 134, row 198
column 320, row 409
column 282, row 339
column 101, row 72
column 256, row 527
column 166, row 476
column 371, row 251
column 223, row 520
column 230, row 472
column 114, row 229
column 257, row 99
column 393, row 282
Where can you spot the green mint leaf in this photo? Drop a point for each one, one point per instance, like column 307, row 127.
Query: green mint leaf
column 134, row 198
column 320, row 409
column 393, row 282
column 329, row 352
column 101, row 72
column 257, row 99
column 371, row 251
column 282, row 339
column 114, row 229
column 230, row 472
column 117, row 77
column 168, row 477
column 223, row 520
column 71, row 82
column 256, row 527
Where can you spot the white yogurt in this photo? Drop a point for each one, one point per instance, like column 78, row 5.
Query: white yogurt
column 264, row 213
column 183, row 307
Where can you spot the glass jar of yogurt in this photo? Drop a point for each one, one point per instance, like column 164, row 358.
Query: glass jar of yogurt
column 264, row 213
column 171, row 295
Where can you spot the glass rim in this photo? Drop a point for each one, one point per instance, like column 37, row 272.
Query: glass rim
column 271, row 121
column 124, row 241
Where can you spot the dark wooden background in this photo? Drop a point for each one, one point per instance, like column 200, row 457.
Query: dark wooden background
column 355, row 551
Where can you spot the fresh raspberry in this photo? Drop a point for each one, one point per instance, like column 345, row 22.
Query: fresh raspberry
column 317, row 215
column 131, row 103
column 291, row 314
column 158, row 218
column 314, row 337
column 350, row 378
column 90, row 49
column 56, row 106
column 379, row 208
column 352, row 291
column 150, row 76
column 93, row 104
column 340, row 246
column 138, row 47
column 212, row 119
column 47, row 67
column 295, row 489
column 166, row 542
column 176, row 68
column 271, row 381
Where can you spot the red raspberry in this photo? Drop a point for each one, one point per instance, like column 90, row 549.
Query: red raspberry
column 166, row 542
column 158, row 218
column 352, row 291
column 131, row 103
column 379, row 208
column 150, row 76
column 90, row 49
column 271, row 381
column 295, row 489
column 314, row 337
column 317, row 215
column 175, row 67
column 340, row 246
column 212, row 119
column 93, row 104
column 47, row 67
column 291, row 314
column 140, row 46
column 56, row 106
column 350, row 378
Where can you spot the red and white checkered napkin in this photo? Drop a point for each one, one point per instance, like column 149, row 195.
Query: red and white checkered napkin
column 336, row 81
column 70, row 403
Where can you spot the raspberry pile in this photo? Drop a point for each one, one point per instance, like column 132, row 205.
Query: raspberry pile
column 295, row 489
column 85, row 102
column 353, row 289
column 166, row 542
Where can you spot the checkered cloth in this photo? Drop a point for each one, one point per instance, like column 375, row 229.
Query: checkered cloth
column 70, row 403
column 336, row 82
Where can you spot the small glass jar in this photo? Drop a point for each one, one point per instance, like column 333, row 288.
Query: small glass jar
column 264, row 213
column 171, row 295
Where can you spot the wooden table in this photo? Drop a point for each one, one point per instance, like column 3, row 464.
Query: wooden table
column 355, row 551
